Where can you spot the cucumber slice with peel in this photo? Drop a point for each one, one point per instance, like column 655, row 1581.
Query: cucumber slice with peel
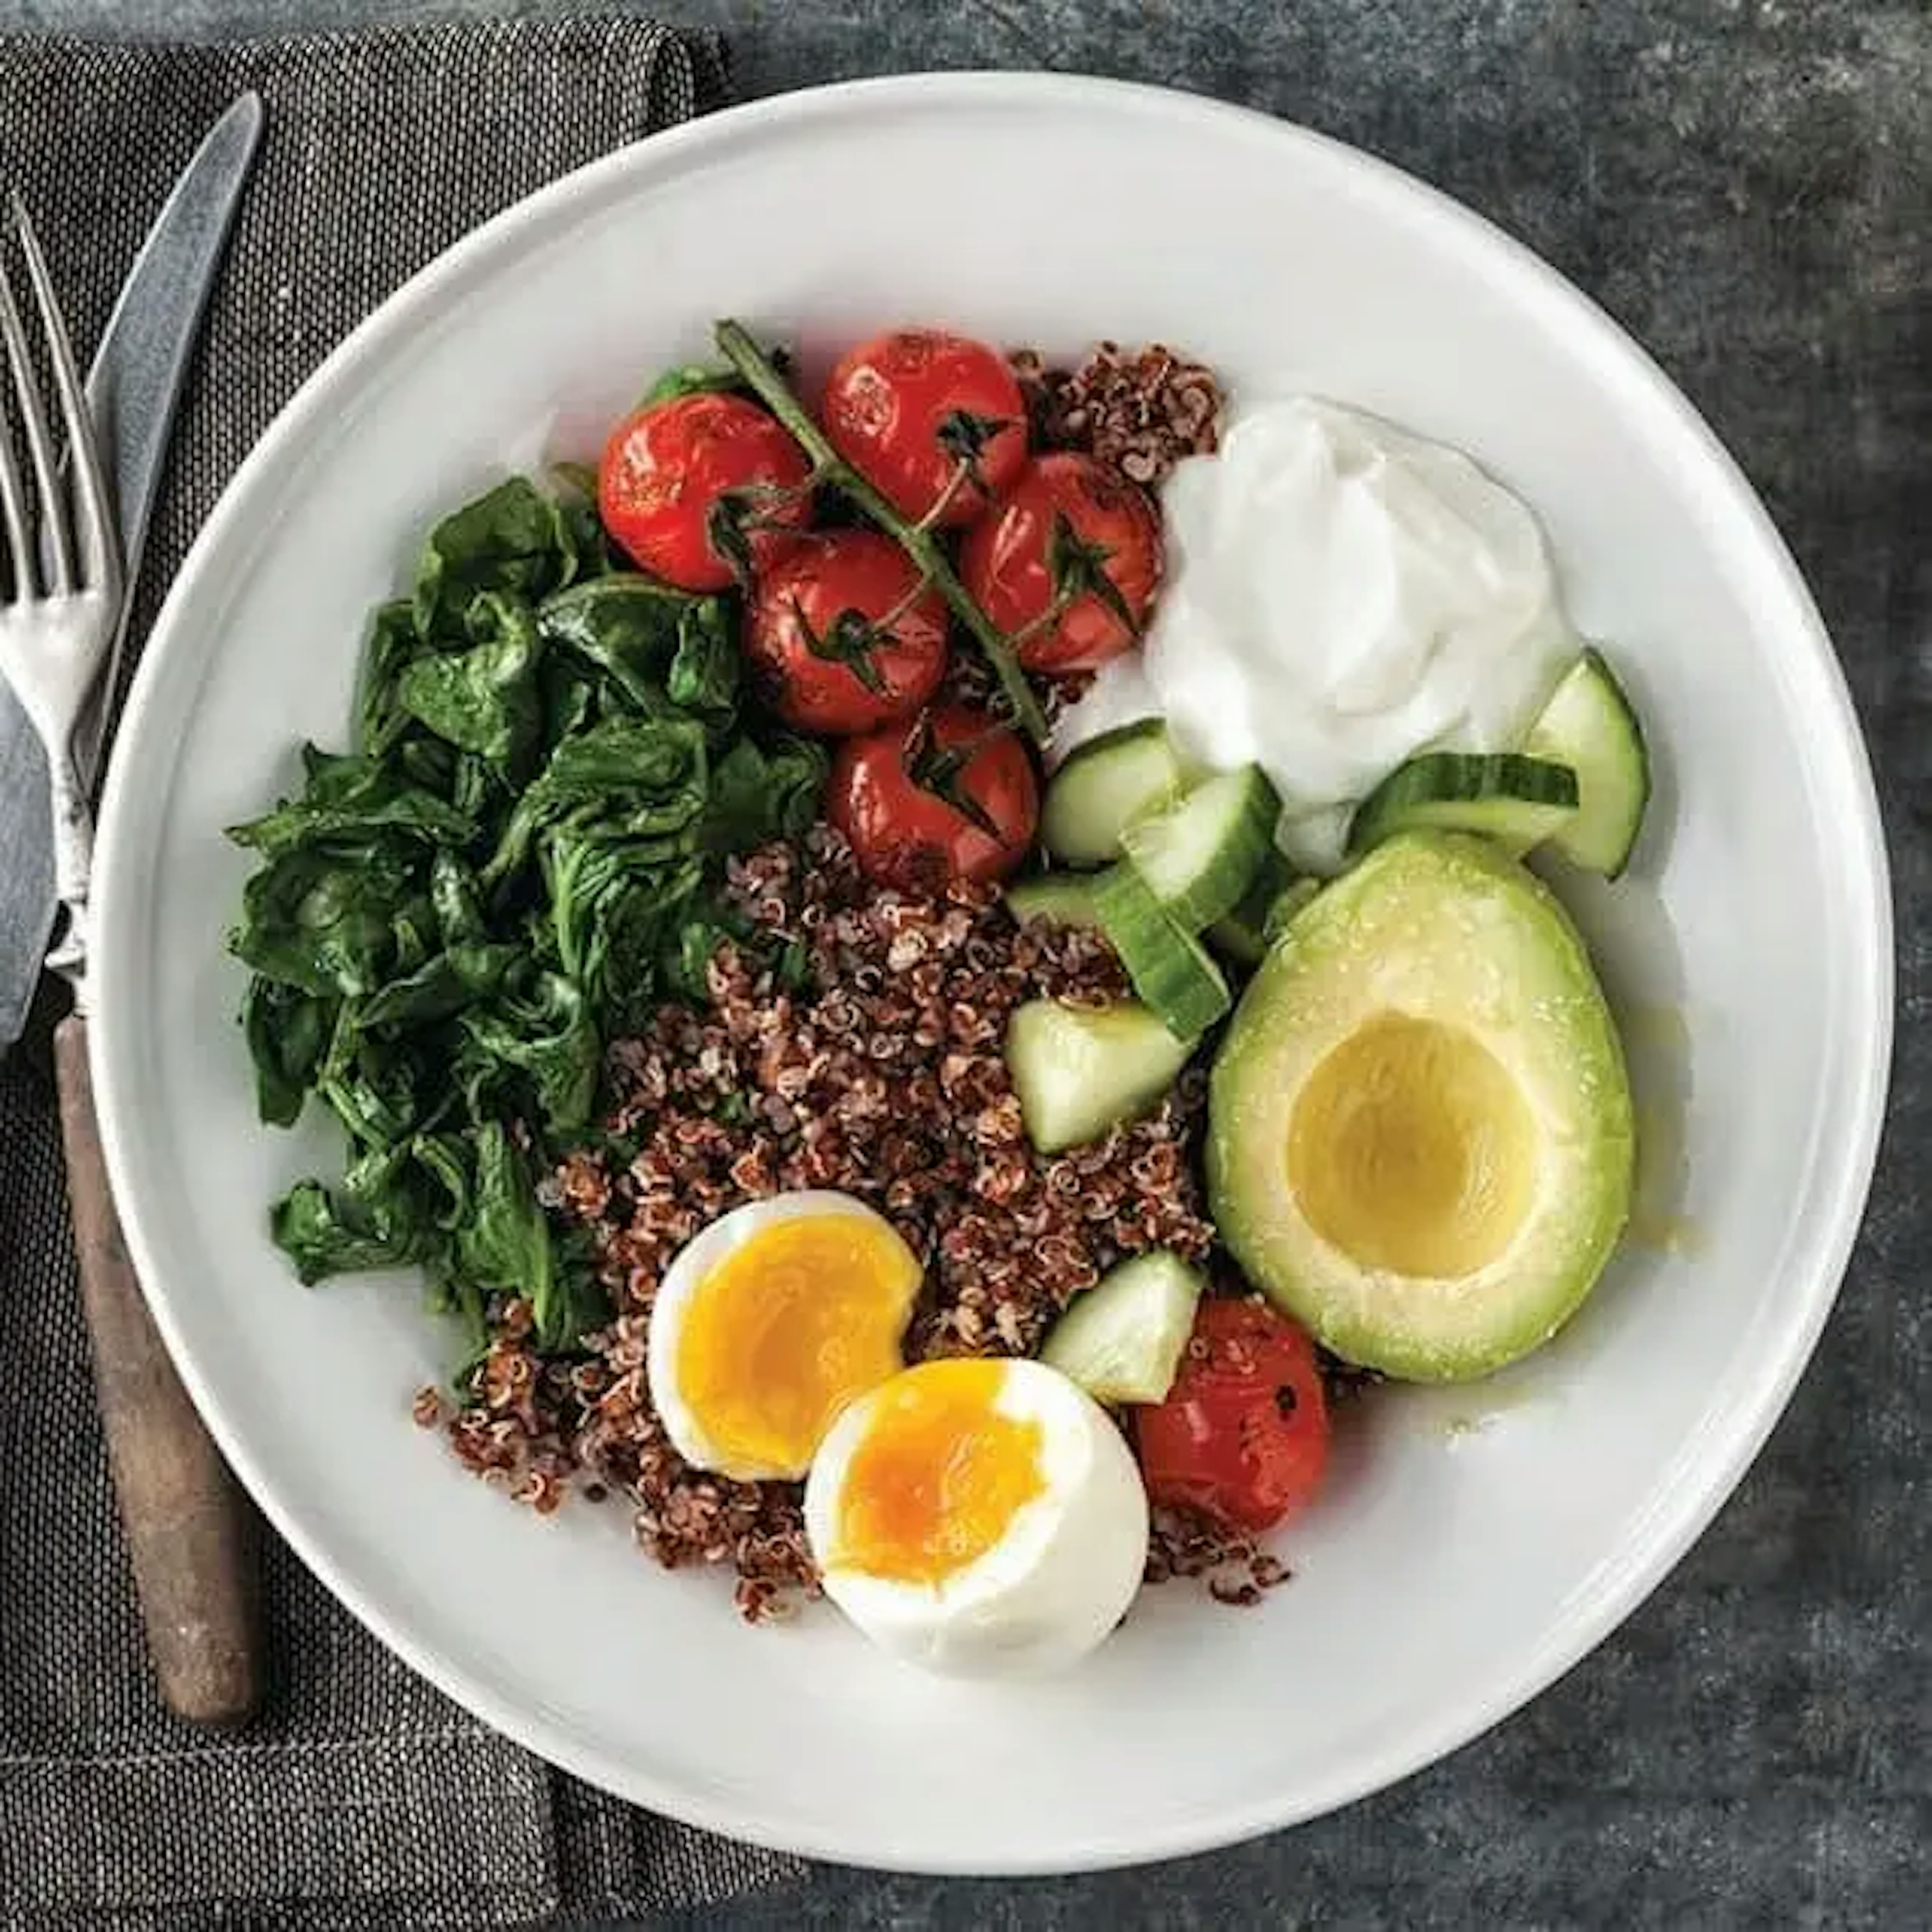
column 1122, row 1340
column 1240, row 935
column 1063, row 898
column 1104, row 787
column 1170, row 968
column 1079, row 1070
column 1245, row 935
column 1199, row 856
column 1517, row 802
column 1288, row 903
column 1591, row 726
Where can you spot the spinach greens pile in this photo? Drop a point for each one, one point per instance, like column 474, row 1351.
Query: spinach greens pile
column 518, row 861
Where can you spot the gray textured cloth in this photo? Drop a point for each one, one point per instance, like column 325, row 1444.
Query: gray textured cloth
column 362, row 1797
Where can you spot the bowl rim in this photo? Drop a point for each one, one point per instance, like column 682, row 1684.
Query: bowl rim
column 655, row 164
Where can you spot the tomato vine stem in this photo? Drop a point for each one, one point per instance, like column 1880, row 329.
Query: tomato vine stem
column 736, row 345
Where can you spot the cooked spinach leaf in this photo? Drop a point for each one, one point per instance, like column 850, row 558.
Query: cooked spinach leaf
column 548, row 1035
column 626, row 624
column 441, row 987
column 372, row 1090
column 515, row 540
column 632, row 779
column 694, row 379
column 288, row 1032
column 699, row 379
column 517, row 858
column 330, row 922
column 507, row 1246
column 312, row 1231
column 759, row 793
column 484, row 699
column 349, row 808
column 703, row 676
column 453, row 897
column 394, row 642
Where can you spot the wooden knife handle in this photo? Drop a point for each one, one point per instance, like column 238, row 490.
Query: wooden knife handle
column 190, row 1529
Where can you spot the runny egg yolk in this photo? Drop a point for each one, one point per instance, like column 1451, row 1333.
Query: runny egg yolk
column 787, row 1329
column 938, row 1477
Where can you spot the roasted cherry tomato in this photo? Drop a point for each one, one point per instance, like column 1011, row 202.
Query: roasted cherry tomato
column 1243, row 1433
column 923, row 416
column 953, row 797
column 666, row 466
column 1067, row 561
column 842, row 635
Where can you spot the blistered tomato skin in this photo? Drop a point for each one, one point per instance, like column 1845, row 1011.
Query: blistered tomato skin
column 840, row 635
column 664, row 468
column 893, row 797
column 908, row 409
column 1243, row 1432
column 1065, row 514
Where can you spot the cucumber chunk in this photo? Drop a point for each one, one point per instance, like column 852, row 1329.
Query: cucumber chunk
column 1199, row 856
column 1240, row 935
column 1065, row 898
column 1287, row 903
column 1078, row 1071
column 1170, row 968
column 1591, row 726
column 1122, row 1340
column 1518, row 801
column 1104, row 785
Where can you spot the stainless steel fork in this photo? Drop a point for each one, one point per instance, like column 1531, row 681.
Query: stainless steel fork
column 68, row 583
column 189, row 1531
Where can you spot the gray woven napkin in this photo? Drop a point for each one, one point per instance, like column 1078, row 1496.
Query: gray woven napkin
column 362, row 1798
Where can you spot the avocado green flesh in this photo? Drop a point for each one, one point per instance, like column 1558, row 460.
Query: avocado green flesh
column 1420, row 1139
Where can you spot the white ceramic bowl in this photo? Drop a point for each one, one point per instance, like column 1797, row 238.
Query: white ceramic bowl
column 1476, row 1542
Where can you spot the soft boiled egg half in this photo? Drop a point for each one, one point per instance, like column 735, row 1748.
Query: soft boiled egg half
column 769, row 1323
column 980, row 1518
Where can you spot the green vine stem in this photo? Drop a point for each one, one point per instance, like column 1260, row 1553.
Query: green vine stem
column 750, row 361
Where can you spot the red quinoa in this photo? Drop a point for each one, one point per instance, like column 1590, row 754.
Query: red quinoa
column 1191, row 1543
column 1140, row 413
column 883, row 1077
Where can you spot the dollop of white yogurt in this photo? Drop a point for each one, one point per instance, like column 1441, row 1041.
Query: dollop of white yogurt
column 1341, row 594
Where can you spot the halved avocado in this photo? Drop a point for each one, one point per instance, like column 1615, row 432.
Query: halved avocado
column 1419, row 1139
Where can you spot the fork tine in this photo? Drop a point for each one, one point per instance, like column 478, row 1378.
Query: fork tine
column 14, row 508
column 100, row 541
column 40, row 438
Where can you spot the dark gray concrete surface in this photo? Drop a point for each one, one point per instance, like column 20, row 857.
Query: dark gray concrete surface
column 1747, row 184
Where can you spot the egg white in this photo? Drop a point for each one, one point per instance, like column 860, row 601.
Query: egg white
column 683, row 1287
column 1053, row 1586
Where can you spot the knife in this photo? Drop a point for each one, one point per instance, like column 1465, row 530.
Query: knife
column 189, row 1530
column 132, row 389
